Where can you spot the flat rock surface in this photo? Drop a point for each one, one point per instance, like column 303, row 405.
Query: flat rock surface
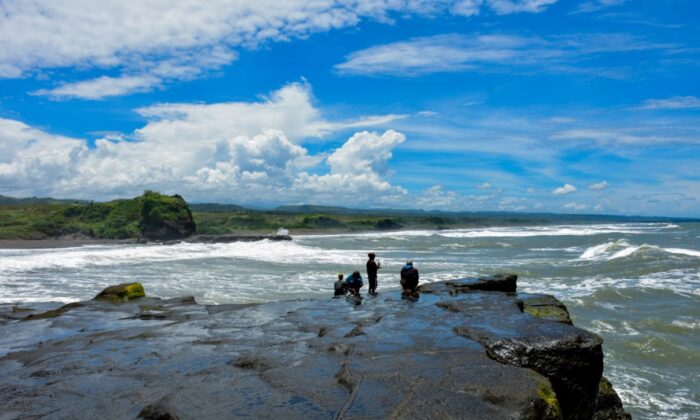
column 380, row 356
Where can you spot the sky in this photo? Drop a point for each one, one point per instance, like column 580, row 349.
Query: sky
column 566, row 106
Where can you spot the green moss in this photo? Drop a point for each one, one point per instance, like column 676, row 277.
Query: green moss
column 122, row 292
column 551, row 312
column 547, row 395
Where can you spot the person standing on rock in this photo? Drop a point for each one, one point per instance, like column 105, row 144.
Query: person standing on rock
column 372, row 268
column 354, row 282
column 409, row 278
column 339, row 286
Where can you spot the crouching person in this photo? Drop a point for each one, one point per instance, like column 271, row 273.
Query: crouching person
column 409, row 278
column 354, row 283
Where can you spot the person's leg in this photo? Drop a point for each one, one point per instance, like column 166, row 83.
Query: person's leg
column 372, row 285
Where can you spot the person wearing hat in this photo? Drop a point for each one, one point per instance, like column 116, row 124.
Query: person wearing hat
column 372, row 268
column 339, row 286
column 409, row 277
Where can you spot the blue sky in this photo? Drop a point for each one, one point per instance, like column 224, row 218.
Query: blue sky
column 519, row 105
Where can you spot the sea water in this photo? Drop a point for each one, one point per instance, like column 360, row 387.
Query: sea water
column 635, row 284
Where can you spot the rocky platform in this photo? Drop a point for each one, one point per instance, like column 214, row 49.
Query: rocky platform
column 454, row 352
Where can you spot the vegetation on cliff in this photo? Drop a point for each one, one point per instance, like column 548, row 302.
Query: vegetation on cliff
column 161, row 217
column 152, row 215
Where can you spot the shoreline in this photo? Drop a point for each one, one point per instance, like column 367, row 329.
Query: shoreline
column 54, row 243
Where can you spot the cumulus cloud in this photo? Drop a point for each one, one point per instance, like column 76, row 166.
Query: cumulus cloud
column 566, row 189
column 456, row 52
column 29, row 157
column 151, row 42
column 598, row 186
column 484, row 186
column 237, row 151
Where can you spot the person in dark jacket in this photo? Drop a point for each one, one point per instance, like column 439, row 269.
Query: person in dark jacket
column 354, row 282
column 372, row 268
column 339, row 286
column 409, row 277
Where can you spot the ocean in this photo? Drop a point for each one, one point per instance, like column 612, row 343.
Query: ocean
column 635, row 284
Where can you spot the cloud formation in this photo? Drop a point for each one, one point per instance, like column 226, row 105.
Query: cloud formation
column 457, row 52
column 238, row 151
column 566, row 189
column 151, row 43
column 598, row 186
column 676, row 102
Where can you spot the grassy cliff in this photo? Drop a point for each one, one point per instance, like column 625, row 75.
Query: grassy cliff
column 143, row 216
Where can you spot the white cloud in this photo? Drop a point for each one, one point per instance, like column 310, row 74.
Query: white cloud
column 180, row 40
column 514, row 6
column 29, row 157
column 598, row 186
column 676, row 102
column 102, row 87
column 245, row 152
column 484, row 186
column 455, row 52
column 596, row 5
column 357, row 171
column 575, row 206
column 566, row 189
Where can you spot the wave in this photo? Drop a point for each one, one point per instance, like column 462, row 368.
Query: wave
column 621, row 249
column 98, row 256
column 512, row 231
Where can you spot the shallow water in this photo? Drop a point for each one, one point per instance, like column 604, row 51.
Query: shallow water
column 637, row 285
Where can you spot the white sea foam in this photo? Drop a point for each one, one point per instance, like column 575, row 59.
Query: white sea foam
column 515, row 231
column 96, row 256
column 621, row 249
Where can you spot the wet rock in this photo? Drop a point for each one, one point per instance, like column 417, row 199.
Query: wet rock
column 609, row 406
column 545, row 306
column 447, row 355
column 157, row 412
column 121, row 292
column 54, row 312
column 498, row 282
column 571, row 358
column 355, row 332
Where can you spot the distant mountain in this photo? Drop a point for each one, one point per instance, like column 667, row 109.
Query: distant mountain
column 217, row 208
column 314, row 209
column 5, row 200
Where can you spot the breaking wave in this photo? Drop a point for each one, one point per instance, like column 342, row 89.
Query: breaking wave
column 621, row 249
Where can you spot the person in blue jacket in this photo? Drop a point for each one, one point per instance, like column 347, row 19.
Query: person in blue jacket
column 354, row 282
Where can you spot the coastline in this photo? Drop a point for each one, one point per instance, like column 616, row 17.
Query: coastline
column 51, row 243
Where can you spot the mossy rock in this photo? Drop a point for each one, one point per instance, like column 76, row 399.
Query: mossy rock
column 553, row 313
column 122, row 292
column 547, row 404
column 609, row 405
column 546, row 307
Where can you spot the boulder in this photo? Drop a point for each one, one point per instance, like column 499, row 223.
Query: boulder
column 122, row 292
column 545, row 306
column 609, row 406
column 498, row 282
